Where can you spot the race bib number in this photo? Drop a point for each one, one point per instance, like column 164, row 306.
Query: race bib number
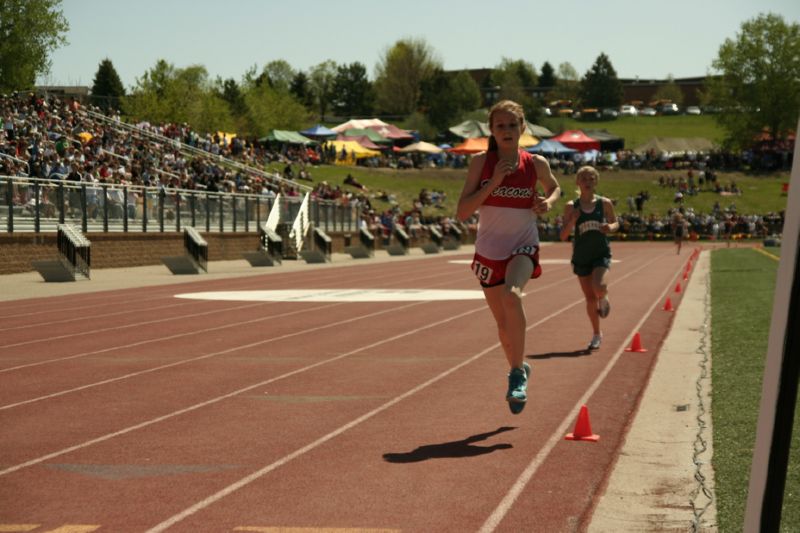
column 482, row 272
column 524, row 250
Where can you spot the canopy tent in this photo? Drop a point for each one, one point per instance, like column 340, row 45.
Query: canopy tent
column 526, row 140
column 392, row 132
column 370, row 134
column 471, row 146
column 578, row 140
column 422, row 146
column 285, row 136
column 608, row 141
column 358, row 124
column 538, row 131
column 353, row 148
column 469, row 129
column 320, row 131
column 549, row 146
column 363, row 140
column 675, row 145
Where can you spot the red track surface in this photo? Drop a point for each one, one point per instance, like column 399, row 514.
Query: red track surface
column 132, row 410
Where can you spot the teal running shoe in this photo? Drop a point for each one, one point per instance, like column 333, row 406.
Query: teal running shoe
column 517, row 394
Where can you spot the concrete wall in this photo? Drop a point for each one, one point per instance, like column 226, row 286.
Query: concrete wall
column 114, row 250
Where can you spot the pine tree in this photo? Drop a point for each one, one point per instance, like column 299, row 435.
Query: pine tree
column 107, row 90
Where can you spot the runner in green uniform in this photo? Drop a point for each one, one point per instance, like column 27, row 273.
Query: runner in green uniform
column 593, row 218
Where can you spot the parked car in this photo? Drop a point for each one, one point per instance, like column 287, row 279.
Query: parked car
column 628, row 110
column 647, row 112
column 669, row 109
column 610, row 113
column 693, row 110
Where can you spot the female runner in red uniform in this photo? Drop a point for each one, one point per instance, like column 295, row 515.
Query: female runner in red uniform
column 502, row 184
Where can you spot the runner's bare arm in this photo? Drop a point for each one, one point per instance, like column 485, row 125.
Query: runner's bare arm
column 570, row 216
column 612, row 224
column 552, row 191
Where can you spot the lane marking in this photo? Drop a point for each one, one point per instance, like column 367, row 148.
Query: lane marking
column 259, row 529
column 353, row 423
column 522, row 481
column 542, row 261
column 771, row 256
column 336, row 295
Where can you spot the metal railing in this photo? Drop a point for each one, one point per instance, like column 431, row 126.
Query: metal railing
column 40, row 205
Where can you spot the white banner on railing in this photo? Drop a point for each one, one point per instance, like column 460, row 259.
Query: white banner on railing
column 274, row 214
column 300, row 226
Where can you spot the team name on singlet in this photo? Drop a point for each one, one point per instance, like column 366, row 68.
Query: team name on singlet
column 589, row 225
column 505, row 191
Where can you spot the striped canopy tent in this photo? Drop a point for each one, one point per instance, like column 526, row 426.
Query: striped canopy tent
column 363, row 140
column 422, row 147
column 370, row 134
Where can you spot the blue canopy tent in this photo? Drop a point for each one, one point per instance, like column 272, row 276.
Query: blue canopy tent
column 319, row 131
column 546, row 146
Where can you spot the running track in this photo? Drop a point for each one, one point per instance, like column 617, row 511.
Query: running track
column 133, row 410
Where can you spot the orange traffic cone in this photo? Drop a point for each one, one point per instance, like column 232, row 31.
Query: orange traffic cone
column 583, row 428
column 685, row 276
column 636, row 345
column 668, row 305
column 678, row 287
column 689, row 265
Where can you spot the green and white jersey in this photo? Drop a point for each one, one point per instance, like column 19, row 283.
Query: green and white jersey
column 589, row 243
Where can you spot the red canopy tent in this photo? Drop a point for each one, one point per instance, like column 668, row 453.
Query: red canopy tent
column 578, row 140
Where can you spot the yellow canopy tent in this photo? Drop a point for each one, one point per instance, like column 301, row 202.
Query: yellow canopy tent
column 353, row 151
column 526, row 140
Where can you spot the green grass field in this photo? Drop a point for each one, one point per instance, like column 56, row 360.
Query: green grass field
column 638, row 130
column 761, row 193
column 742, row 292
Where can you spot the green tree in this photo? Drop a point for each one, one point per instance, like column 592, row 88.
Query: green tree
column 400, row 73
column 301, row 89
column 322, row 82
column 548, row 76
column 353, row 92
column 758, row 81
column 600, row 86
column 229, row 91
column 669, row 91
column 268, row 109
column 29, row 31
column 517, row 79
column 279, row 74
column 567, row 84
column 107, row 89
column 447, row 96
column 169, row 94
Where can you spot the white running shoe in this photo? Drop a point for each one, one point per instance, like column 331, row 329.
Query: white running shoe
column 596, row 340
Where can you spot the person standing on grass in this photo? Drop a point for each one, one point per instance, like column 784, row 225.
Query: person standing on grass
column 502, row 184
column 593, row 218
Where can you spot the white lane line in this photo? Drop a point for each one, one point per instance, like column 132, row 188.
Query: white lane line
column 522, row 481
column 341, row 429
column 322, row 440
column 157, row 339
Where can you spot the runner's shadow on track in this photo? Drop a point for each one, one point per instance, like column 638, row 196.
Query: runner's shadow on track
column 551, row 355
column 453, row 449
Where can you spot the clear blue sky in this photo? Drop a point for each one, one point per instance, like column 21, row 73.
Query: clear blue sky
column 679, row 38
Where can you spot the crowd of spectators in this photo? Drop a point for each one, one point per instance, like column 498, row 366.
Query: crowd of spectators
column 51, row 138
